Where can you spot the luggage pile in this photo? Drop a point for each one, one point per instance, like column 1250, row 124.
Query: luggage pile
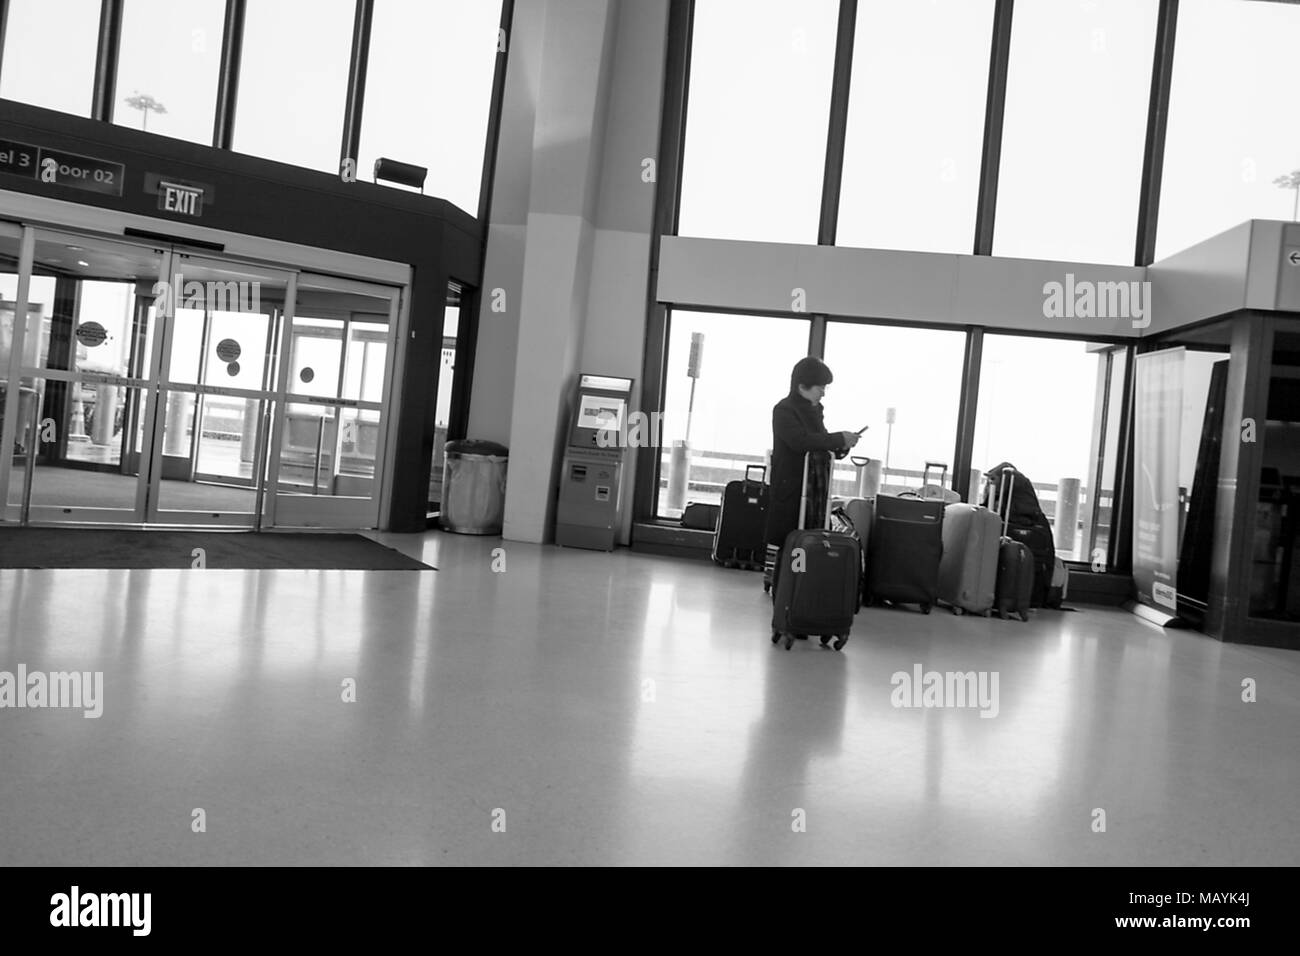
column 906, row 549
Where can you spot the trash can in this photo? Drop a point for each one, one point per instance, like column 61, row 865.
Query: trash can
column 474, row 486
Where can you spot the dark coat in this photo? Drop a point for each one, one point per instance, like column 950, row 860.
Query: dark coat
column 797, row 428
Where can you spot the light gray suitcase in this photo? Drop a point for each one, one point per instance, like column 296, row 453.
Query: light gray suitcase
column 968, row 571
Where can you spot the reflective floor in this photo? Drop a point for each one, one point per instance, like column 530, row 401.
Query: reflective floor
column 586, row 708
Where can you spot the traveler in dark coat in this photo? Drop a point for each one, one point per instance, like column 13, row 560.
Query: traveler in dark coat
column 797, row 428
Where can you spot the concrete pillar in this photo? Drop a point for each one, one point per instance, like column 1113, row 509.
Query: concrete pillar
column 1067, row 515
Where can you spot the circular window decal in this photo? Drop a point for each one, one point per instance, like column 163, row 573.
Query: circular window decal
column 228, row 350
column 232, row 369
column 91, row 334
column 307, row 374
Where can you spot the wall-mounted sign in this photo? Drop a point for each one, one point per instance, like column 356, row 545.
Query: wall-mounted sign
column 180, row 198
column 61, row 168
column 18, row 159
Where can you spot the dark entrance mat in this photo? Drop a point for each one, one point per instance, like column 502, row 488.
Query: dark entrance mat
column 116, row 548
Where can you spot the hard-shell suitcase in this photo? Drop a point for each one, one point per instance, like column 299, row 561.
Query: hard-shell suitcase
column 905, row 552
column 1037, row 537
column 1015, row 570
column 1060, row 587
column 738, row 542
column 969, row 568
column 817, row 588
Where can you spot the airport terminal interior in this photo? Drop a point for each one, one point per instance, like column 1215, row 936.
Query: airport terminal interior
column 465, row 320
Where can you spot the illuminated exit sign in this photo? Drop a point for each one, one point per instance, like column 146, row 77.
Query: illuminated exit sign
column 180, row 198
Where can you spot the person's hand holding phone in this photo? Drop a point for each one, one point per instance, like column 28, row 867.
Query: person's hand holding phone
column 849, row 439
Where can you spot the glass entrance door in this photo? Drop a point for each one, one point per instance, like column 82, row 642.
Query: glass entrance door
column 216, row 386
column 329, row 440
column 147, row 385
column 79, row 360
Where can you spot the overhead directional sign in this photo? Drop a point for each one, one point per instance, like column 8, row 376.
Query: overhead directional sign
column 61, row 168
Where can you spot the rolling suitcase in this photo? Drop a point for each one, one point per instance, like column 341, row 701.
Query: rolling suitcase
column 738, row 542
column 969, row 568
column 1015, row 581
column 906, row 548
column 818, row 586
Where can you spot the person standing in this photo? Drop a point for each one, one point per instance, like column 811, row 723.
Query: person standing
column 798, row 428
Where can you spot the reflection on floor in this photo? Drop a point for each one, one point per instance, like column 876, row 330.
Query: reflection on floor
column 76, row 487
column 617, row 709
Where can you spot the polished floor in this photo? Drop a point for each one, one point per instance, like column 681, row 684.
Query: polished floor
column 616, row 709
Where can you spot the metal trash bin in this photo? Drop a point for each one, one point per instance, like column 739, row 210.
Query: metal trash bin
column 473, row 486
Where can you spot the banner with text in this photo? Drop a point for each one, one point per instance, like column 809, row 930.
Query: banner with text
column 1158, row 425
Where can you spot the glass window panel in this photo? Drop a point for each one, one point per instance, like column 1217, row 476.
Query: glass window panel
column 1232, row 130
column 169, row 57
column 49, row 54
column 1046, row 440
column 429, row 92
column 317, row 349
column 293, row 81
column 760, row 87
column 1075, row 130
column 870, row 380
column 744, row 370
column 915, row 126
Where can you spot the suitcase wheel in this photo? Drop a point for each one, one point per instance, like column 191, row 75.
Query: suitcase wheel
column 826, row 639
column 925, row 609
column 988, row 612
column 789, row 641
column 1024, row 616
column 840, row 642
column 958, row 611
column 767, row 587
column 776, row 636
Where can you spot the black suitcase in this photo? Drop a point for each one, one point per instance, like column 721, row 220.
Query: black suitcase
column 818, row 588
column 1015, row 582
column 1037, row 537
column 906, row 548
column 739, row 541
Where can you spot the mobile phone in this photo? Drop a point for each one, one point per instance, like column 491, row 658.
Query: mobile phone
column 862, row 429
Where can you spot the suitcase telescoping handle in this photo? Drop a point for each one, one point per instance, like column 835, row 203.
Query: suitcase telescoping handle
column 1004, row 497
column 762, row 476
column 803, row 496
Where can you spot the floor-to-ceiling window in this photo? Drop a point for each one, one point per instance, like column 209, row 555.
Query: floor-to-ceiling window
column 429, row 91
column 720, row 417
column 49, row 53
column 1232, row 150
column 911, row 414
column 1078, row 84
column 755, row 143
column 167, row 67
column 915, row 125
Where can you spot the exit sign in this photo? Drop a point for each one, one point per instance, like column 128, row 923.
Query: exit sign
column 181, row 198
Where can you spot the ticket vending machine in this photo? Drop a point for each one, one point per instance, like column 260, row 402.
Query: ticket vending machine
column 591, row 483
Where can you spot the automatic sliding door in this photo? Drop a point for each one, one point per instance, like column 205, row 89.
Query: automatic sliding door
column 216, row 393
column 81, row 381
column 329, row 442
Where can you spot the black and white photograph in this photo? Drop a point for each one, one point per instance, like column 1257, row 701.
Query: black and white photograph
column 683, row 434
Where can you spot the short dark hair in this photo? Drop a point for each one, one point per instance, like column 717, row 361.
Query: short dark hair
column 810, row 371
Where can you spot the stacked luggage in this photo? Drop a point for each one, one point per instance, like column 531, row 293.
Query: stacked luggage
column 1025, row 523
column 819, row 582
column 1015, row 580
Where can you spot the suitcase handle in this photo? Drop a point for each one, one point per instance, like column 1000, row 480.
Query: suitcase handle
column 803, row 494
column 762, row 478
column 941, row 467
column 1004, row 498
column 860, row 460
